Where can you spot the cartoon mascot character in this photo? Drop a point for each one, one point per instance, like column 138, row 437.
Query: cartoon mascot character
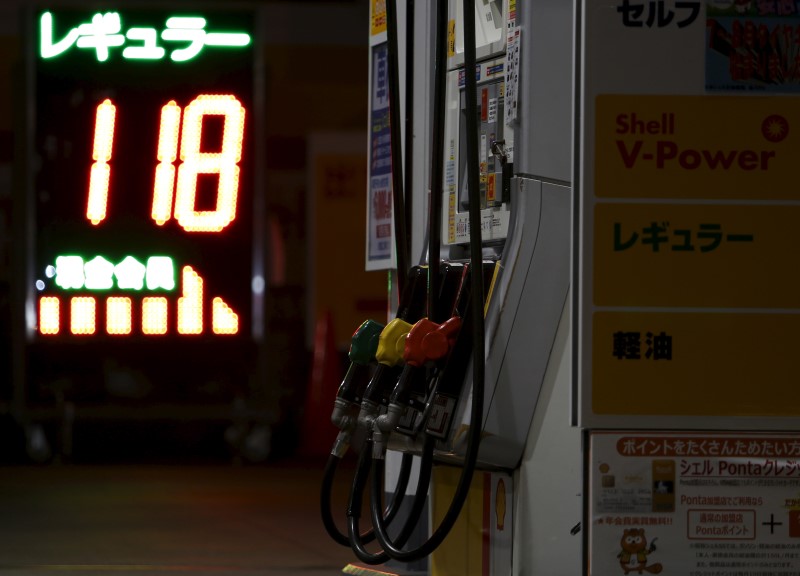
column 635, row 551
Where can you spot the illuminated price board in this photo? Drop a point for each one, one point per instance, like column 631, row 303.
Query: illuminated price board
column 143, row 185
column 143, row 131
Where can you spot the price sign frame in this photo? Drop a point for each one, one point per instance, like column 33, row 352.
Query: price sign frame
column 143, row 198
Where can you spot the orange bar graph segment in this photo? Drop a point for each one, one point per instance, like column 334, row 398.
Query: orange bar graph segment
column 190, row 304
column 49, row 315
column 83, row 315
column 119, row 315
column 154, row 315
column 223, row 319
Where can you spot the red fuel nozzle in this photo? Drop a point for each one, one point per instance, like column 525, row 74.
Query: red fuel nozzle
column 428, row 341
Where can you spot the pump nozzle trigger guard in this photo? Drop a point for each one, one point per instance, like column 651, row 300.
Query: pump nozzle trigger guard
column 428, row 341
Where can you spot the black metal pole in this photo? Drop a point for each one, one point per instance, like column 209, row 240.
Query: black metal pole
column 437, row 158
column 398, row 194
column 409, row 118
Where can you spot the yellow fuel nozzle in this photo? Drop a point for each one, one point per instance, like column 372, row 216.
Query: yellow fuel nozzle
column 392, row 342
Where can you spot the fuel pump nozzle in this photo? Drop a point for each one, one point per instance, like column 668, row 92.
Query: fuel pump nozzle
column 427, row 342
column 363, row 351
column 391, row 345
column 363, row 347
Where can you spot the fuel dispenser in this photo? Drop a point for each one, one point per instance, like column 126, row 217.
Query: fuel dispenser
column 464, row 401
column 629, row 400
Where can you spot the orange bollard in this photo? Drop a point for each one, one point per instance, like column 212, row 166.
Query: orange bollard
column 317, row 433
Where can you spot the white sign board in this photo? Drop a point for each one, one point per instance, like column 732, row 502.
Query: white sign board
column 688, row 293
column 694, row 504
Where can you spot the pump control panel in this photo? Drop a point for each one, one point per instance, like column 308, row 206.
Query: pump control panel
column 495, row 132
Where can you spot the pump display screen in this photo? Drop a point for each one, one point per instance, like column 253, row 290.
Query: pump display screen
column 144, row 173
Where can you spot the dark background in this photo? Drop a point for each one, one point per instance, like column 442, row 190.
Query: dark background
column 95, row 402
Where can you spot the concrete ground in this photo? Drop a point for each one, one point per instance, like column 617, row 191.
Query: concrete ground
column 155, row 519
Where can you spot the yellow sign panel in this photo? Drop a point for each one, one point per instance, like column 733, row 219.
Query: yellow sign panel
column 709, row 147
column 694, row 210
column 378, row 17
column 691, row 255
column 695, row 364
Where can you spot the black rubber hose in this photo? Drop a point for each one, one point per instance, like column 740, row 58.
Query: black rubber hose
column 354, row 512
column 477, row 300
column 389, row 514
column 418, row 505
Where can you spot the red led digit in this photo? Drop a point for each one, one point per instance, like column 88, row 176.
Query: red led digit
column 101, row 153
column 168, row 134
column 224, row 163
